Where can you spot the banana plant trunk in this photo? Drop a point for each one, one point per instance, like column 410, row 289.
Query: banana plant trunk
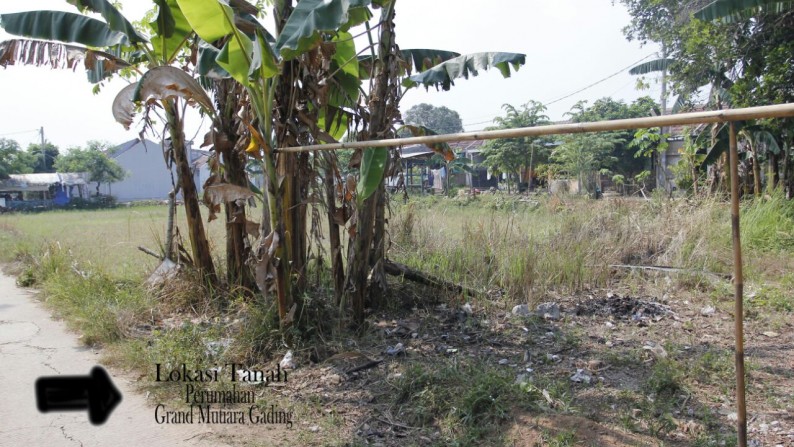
column 773, row 172
column 202, row 257
column 238, row 250
column 291, row 182
column 337, row 261
column 381, row 110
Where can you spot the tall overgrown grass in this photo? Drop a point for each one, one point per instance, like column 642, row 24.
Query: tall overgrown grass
column 768, row 223
column 528, row 249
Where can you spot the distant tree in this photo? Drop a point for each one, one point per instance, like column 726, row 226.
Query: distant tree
column 94, row 161
column 509, row 155
column 626, row 161
column 43, row 157
column 581, row 154
column 13, row 160
column 438, row 119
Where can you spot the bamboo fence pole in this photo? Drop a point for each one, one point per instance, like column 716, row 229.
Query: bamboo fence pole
column 716, row 116
column 738, row 282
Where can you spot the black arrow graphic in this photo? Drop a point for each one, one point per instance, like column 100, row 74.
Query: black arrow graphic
column 73, row 393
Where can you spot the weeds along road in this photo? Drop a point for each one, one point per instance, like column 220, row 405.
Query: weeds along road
column 32, row 345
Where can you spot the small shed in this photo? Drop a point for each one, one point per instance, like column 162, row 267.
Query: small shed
column 43, row 190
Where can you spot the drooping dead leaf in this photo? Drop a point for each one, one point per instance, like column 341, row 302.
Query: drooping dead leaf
column 264, row 270
column 41, row 53
column 339, row 216
column 440, row 148
column 225, row 193
column 124, row 107
column 161, row 83
column 350, row 186
column 252, row 228
column 355, row 159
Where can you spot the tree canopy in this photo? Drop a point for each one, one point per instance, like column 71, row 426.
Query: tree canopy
column 511, row 154
column 93, row 160
column 441, row 120
column 43, row 156
column 13, row 160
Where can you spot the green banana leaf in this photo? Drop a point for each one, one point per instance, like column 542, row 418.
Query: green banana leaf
column 112, row 16
column 444, row 74
column 171, row 30
column 373, row 166
column 62, row 26
column 651, row 66
column 213, row 20
column 414, row 60
column 311, row 18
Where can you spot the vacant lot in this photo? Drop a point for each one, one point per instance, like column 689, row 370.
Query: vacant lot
column 634, row 357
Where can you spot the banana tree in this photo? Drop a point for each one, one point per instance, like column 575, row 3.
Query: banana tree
column 124, row 47
column 292, row 106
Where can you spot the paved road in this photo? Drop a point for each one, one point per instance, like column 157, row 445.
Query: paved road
column 32, row 344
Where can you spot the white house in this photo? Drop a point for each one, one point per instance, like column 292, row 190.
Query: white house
column 147, row 176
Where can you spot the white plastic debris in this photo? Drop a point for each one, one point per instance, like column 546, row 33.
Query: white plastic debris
column 656, row 349
column 549, row 311
column 521, row 310
column 708, row 311
column 287, row 362
column 581, row 376
column 395, row 350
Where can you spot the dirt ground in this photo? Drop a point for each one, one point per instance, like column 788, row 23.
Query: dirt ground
column 660, row 372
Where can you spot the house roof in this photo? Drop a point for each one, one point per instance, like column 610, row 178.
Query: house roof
column 124, row 147
column 42, row 181
column 467, row 147
column 417, row 150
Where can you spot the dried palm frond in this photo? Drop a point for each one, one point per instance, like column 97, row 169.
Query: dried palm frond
column 41, row 53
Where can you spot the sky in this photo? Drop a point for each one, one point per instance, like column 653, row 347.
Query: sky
column 569, row 44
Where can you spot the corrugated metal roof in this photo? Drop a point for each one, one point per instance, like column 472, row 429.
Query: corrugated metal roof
column 24, row 182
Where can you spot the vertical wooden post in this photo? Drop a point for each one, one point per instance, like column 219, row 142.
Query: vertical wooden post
column 738, row 281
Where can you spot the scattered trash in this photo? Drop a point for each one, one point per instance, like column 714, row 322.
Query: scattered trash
column 314, row 428
column 332, row 379
column 166, row 271
column 656, row 349
column 504, row 362
column 287, row 362
column 581, row 376
column 395, row 350
column 549, row 311
column 553, row 358
column 216, row 348
column 521, row 310
column 708, row 311
column 595, row 365
column 467, row 309
column 771, row 334
column 624, row 308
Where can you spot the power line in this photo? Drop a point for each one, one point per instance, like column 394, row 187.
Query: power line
column 599, row 81
column 581, row 89
column 18, row 132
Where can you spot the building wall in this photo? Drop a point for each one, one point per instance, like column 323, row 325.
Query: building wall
column 147, row 176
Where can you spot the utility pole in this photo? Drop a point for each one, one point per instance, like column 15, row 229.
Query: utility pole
column 43, row 152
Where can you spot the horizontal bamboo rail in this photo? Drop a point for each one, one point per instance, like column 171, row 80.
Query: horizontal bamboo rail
column 716, row 116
